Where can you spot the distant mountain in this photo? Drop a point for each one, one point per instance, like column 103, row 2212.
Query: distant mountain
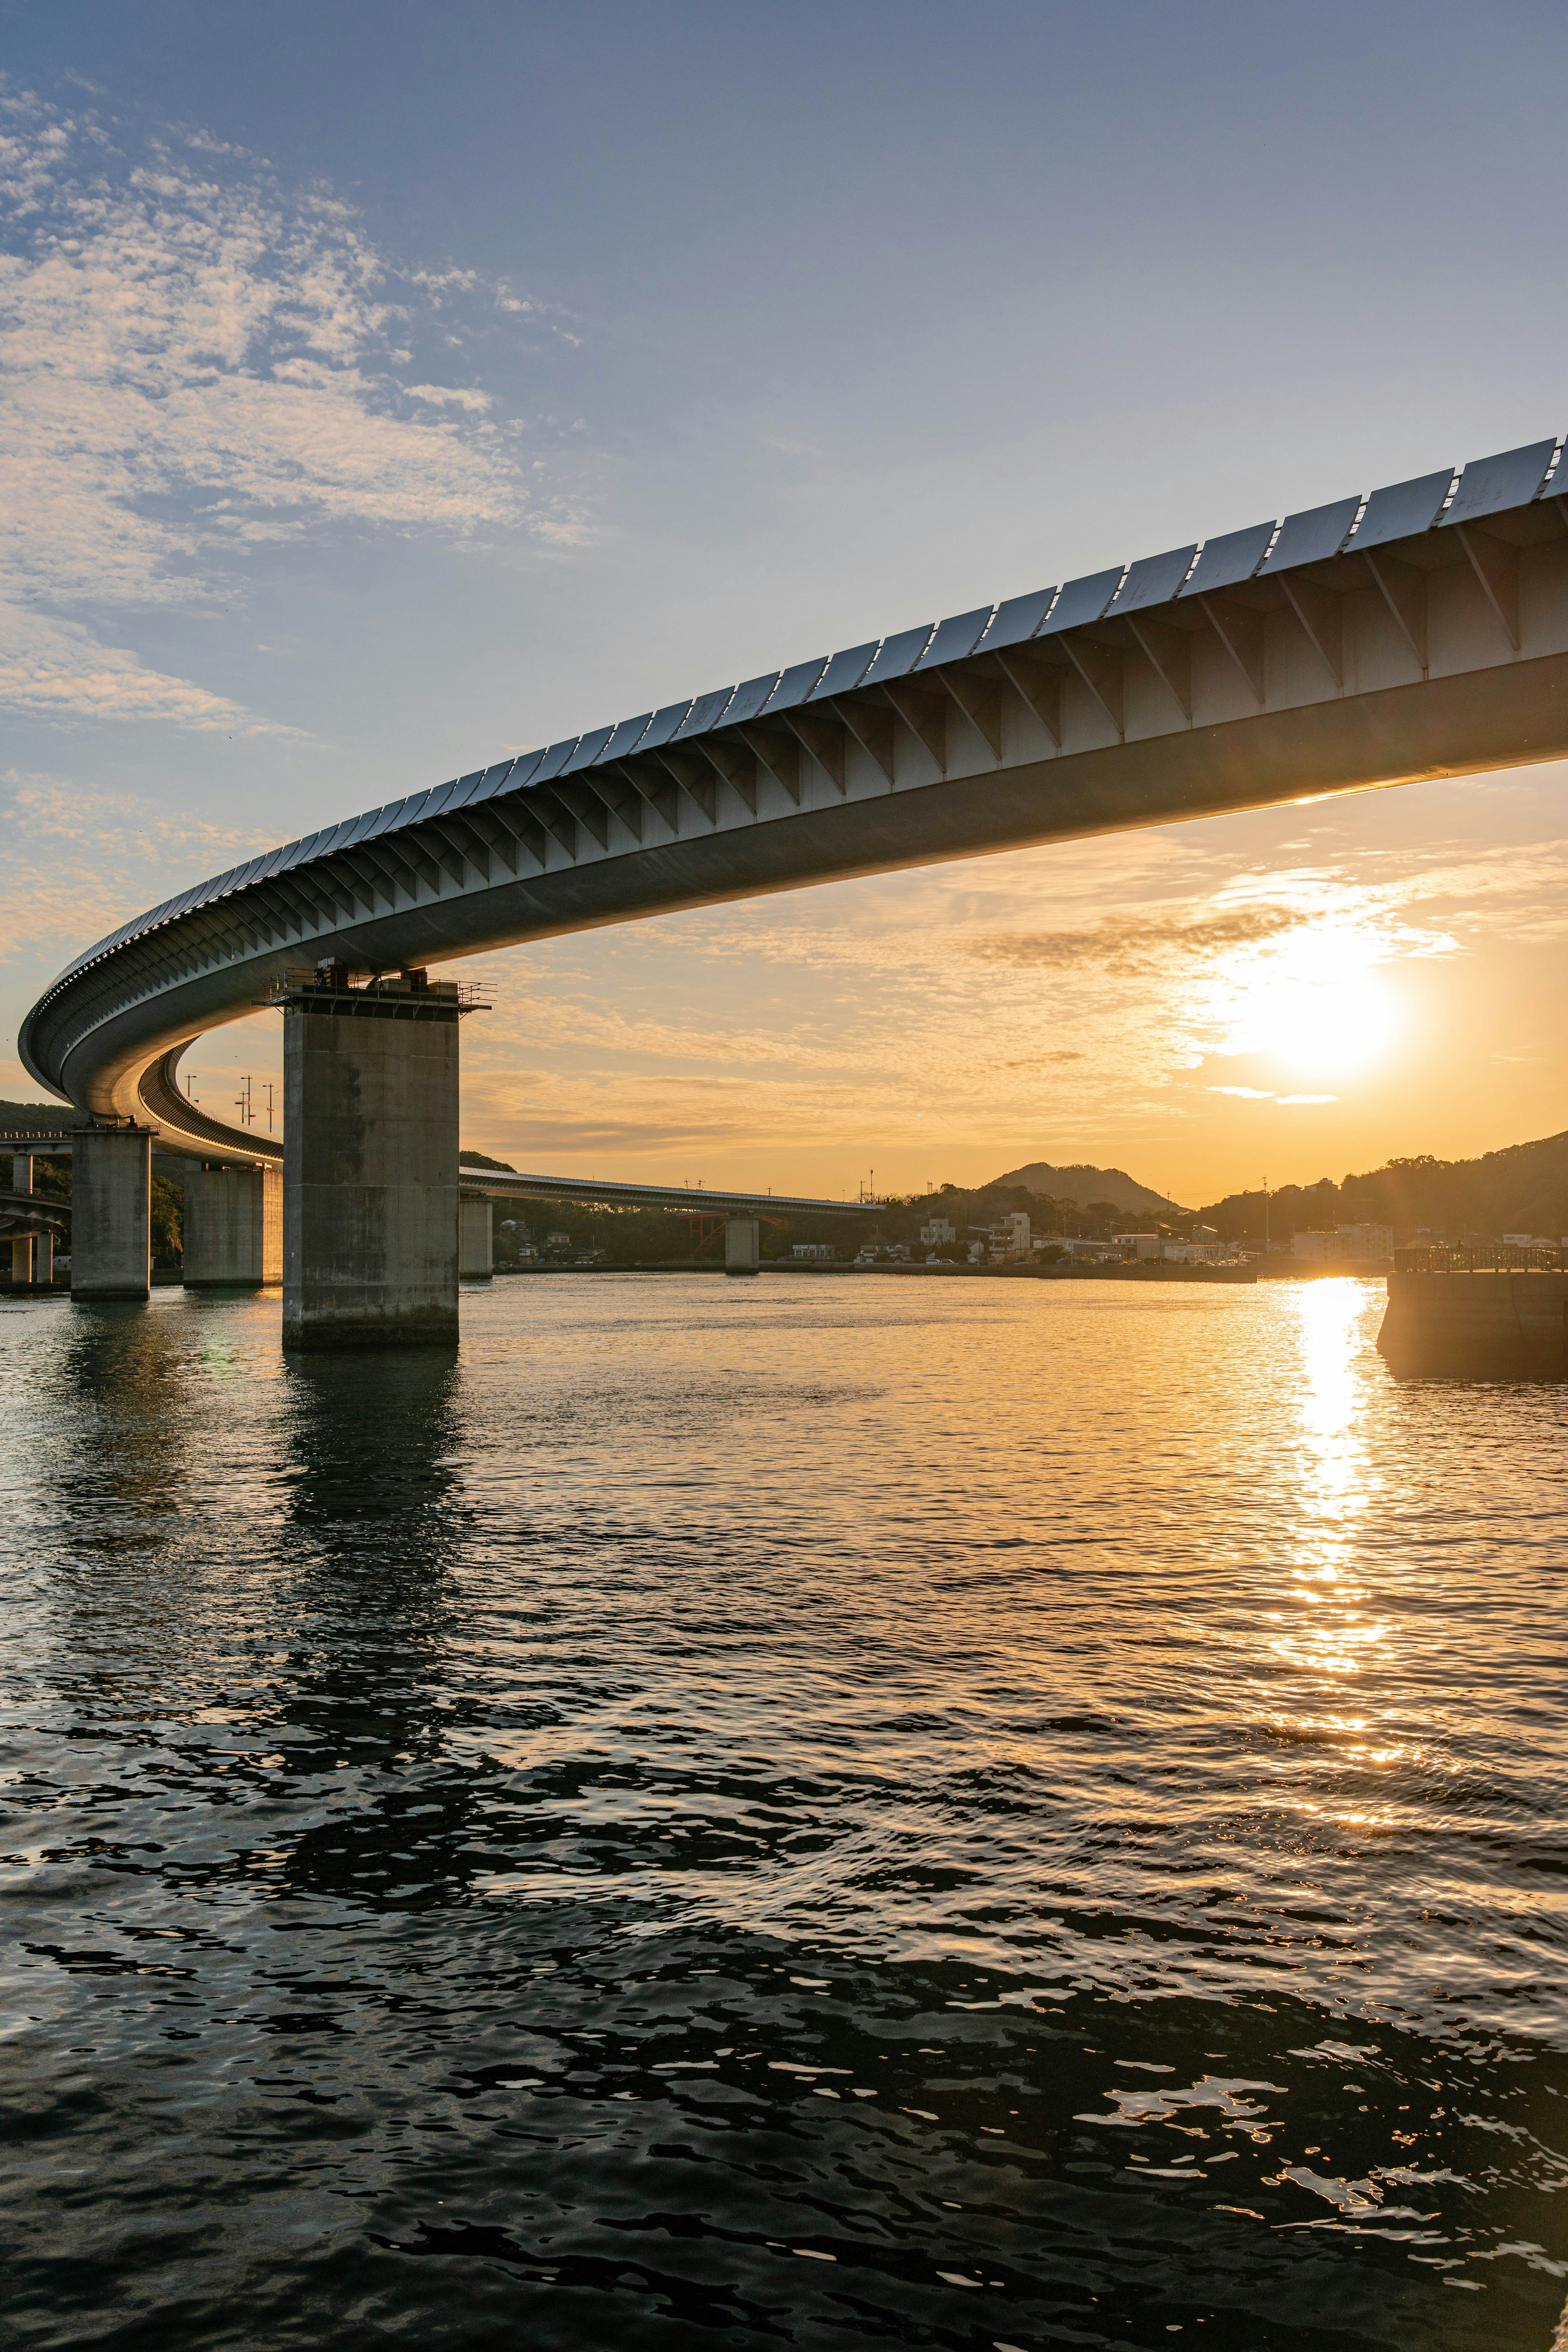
column 1079, row 1183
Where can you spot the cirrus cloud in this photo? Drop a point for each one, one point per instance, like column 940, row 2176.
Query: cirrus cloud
column 195, row 361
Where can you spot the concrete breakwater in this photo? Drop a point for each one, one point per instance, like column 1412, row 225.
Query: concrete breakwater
column 1486, row 1324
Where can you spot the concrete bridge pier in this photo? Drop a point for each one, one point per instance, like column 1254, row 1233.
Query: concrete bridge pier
column 112, row 1193
column 475, row 1240
column 742, row 1244
column 370, row 1161
column 234, row 1227
column 32, row 1255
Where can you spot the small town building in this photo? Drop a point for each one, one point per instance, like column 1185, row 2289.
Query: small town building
column 935, row 1232
column 1358, row 1243
column 817, row 1252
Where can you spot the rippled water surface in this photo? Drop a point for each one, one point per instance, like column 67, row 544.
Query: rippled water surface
column 807, row 1813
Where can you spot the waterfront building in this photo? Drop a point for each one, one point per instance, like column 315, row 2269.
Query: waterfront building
column 1364, row 1243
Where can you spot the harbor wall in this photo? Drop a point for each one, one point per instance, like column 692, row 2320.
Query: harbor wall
column 1477, row 1325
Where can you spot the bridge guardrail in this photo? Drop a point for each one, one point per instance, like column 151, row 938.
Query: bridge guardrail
column 1491, row 1257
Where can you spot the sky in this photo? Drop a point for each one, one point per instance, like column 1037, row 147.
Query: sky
column 387, row 388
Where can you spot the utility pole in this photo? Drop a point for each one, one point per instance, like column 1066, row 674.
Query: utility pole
column 269, row 1105
column 1265, row 1216
column 242, row 1102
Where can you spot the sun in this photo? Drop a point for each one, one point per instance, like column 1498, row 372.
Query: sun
column 1330, row 1029
column 1316, row 1006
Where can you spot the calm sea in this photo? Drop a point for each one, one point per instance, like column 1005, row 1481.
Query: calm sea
column 816, row 1812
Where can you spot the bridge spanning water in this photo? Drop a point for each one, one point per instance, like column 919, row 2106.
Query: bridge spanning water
column 1422, row 631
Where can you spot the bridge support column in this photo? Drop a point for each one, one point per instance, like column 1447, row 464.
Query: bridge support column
column 37, row 1252
column 742, row 1244
column 475, row 1240
column 370, row 1163
column 234, row 1227
column 112, row 1191
column 24, row 1247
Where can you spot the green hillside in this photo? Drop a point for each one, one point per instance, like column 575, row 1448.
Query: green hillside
column 38, row 1119
column 1523, row 1188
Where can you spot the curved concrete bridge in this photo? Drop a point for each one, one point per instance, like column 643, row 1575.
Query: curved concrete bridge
column 1422, row 631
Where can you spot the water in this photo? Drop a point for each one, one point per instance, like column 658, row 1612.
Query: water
column 803, row 1812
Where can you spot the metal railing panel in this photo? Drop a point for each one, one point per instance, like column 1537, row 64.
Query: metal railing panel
column 1402, row 510
column 957, row 638
column 1082, row 600
column 1229, row 560
column 1490, row 485
column 1152, row 580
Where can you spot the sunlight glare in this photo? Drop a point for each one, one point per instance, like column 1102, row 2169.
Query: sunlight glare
column 1334, row 1635
column 1315, row 1003
column 1330, row 1030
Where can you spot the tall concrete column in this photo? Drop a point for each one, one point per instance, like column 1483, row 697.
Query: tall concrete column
column 112, row 1191
column 234, row 1227
column 742, row 1244
column 370, row 1162
column 475, row 1240
column 32, row 1255
column 22, row 1251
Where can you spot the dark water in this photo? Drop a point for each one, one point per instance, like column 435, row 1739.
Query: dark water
column 808, row 1813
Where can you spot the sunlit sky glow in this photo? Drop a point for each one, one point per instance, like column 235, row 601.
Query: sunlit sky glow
column 334, row 471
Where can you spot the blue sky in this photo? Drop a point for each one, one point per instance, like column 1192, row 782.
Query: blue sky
column 389, row 386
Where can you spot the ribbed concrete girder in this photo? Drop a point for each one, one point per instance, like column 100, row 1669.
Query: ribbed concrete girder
column 1421, row 632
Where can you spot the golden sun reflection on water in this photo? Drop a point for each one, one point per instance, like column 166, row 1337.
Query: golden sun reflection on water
column 1334, row 1635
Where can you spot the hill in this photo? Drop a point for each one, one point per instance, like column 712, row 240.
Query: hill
column 1079, row 1181
column 38, row 1119
column 1522, row 1189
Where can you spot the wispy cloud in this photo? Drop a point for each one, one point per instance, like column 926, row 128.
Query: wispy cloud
column 1135, row 945
column 55, row 669
column 195, row 361
column 1267, row 1094
column 74, row 857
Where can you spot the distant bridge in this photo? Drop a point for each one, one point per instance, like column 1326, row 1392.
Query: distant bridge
column 700, row 1200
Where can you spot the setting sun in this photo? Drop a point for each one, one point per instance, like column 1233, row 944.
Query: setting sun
column 1330, row 1032
column 1315, row 1005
